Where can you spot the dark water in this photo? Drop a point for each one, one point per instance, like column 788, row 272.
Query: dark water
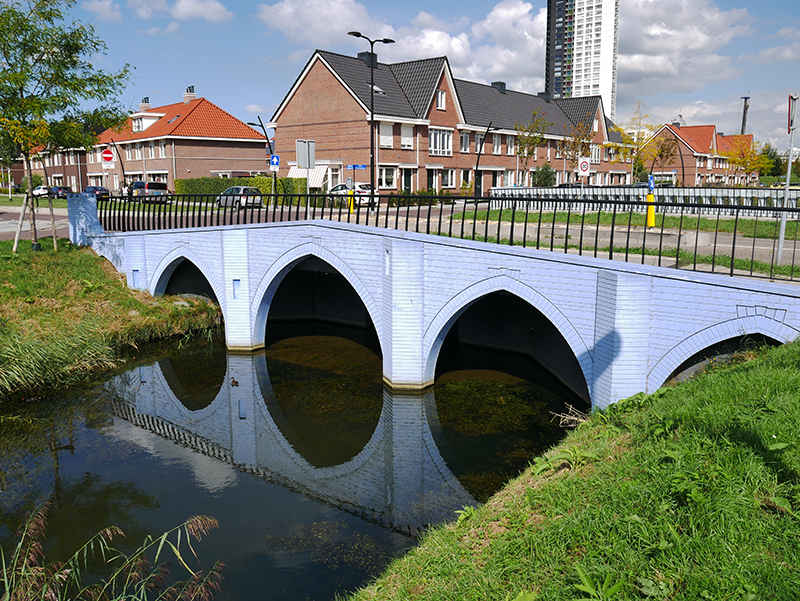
column 317, row 474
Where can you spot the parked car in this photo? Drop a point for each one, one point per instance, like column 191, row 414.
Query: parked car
column 240, row 196
column 60, row 191
column 98, row 191
column 361, row 192
column 149, row 189
column 41, row 191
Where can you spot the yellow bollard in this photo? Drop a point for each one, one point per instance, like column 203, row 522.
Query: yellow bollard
column 651, row 210
column 350, row 200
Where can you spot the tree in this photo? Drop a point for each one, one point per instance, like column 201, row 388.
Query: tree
column 529, row 137
column 635, row 135
column 544, row 176
column 660, row 151
column 773, row 156
column 577, row 141
column 46, row 77
column 747, row 156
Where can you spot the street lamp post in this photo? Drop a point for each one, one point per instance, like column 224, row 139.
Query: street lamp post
column 372, row 63
column 271, row 152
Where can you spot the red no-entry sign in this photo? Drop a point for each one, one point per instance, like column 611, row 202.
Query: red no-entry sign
column 108, row 155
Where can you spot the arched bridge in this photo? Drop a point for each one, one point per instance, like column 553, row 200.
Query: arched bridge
column 613, row 329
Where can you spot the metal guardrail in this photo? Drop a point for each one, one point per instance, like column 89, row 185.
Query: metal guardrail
column 730, row 235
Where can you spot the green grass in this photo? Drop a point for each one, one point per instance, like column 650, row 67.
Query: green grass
column 65, row 315
column 761, row 228
column 690, row 493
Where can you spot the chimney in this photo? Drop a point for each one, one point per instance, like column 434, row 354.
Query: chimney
column 144, row 105
column 370, row 59
column 544, row 96
column 189, row 95
column 676, row 124
column 500, row 86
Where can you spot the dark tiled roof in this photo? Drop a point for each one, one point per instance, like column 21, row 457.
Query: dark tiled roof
column 408, row 87
column 483, row 103
column 578, row 107
column 419, row 80
column 613, row 134
column 355, row 73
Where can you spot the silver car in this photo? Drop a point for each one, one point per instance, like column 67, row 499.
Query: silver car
column 240, row 197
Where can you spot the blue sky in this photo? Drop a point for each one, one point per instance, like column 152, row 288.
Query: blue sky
column 694, row 58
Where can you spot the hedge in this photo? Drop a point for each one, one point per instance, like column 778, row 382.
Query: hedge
column 217, row 185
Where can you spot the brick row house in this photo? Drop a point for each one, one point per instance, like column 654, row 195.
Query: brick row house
column 189, row 139
column 429, row 126
column 700, row 157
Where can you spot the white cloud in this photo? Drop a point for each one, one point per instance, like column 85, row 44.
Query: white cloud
column 789, row 33
column 171, row 28
column 790, row 53
column 210, row 10
column 145, row 9
column 331, row 21
column 255, row 109
column 106, row 10
column 675, row 46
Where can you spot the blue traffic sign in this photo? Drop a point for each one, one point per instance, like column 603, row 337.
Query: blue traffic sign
column 361, row 167
column 275, row 160
column 651, row 182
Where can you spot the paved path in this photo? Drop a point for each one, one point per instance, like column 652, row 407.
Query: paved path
column 9, row 217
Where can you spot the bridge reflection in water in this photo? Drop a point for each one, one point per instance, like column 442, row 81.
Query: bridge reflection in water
column 310, row 413
column 387, row 469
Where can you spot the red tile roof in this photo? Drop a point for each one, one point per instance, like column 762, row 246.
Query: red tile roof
column 700, row 137
column 198, row 118
column 737, row 142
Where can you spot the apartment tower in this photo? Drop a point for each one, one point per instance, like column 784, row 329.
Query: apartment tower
column 582, row 47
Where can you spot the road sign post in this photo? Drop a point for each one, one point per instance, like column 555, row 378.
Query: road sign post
column 107, row 157
column 792, row 126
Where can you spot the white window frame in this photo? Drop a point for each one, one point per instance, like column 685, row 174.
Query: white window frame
column 510, row 145
column 386, row 134
column 440, row 142
column 464, row 142
column 441, row 100
column 162, row 149
column 479, row 142
column 497, row 143
column 151, row 149
column 129, row 152
column 389, row 182
column 406, row 137
column 448, row 178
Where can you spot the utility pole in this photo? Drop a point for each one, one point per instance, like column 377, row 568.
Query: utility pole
column 744, row 112
column 792, row 126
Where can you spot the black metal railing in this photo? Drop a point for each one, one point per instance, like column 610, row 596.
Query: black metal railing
column 734, row 238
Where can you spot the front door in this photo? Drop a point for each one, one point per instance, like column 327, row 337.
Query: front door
column 479, row 183
column 406, row 182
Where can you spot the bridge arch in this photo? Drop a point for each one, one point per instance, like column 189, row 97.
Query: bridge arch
column 742, row 326
column 171, row 261
column 273, row 277
column 440, row 325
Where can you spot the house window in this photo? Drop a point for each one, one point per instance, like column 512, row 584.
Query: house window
column 440, row 100
column 137, row 124
column 440, row 142
column 386, row 177
column 465, row 177
column 90, row 156
column 510, row 145
column 448, row 178
column 151, row 149
column 479, row 143
column 387, row 135
column 595, row 148
column 464, row 145
column 508, row 178
column 407, row 137
column 497, row 143
column 128, row 153
column 138, row 150
column 162, row 148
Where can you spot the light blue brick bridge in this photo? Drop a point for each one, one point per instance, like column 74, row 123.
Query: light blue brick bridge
column 606, row 329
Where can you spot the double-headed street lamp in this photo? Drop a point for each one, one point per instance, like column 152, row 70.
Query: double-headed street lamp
column 371, row 62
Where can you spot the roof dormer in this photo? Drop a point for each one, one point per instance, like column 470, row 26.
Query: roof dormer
column 142, row 120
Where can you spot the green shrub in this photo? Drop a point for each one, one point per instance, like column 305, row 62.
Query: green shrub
column 217, row 185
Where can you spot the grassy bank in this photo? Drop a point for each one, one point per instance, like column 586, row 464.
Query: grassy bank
column 66, row 315
column 690, row 493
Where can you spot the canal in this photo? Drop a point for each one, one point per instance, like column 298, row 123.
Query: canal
column 317, row 473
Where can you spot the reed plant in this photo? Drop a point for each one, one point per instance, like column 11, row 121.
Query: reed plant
column 141, row 575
